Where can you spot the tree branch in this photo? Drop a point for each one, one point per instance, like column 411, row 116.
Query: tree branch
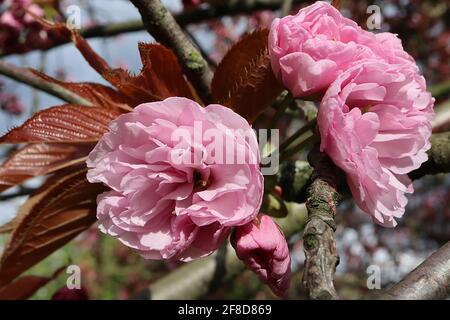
column 23, row 75
column 163, row 27
column 438, row 157
column 198, row 278
column 440, row 89
column 430, row 280
column 318, row 238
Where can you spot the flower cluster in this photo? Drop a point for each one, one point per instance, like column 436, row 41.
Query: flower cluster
column 19, row 30
column 375, row 113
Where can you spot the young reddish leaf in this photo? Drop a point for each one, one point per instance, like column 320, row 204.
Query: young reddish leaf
column 94, row 60
column 36, row 197
column 130, row 86
column 39, row 159
column 96, row 93
column 66, row 123
column 64, row 209
column 244, row 80
column 161, row 76
column 24, row 287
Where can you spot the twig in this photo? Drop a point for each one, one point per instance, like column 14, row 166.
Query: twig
column 286, row 154
column 318, row 238
column 440, row 89
column 163, row 27
column 287, row 143
column 430, row 280
column 23, row 75
column 36, row 93
column 284, row 105
column 305, row 128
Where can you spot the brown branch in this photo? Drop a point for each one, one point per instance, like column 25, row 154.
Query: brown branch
column 164, row 28
column 23, row 75
column 318, row 238
column 337, row 4
column 430, row 280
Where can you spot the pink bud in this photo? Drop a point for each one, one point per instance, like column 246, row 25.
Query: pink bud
column 263, row 248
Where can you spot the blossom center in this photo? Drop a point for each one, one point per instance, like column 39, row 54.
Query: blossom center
column 199, row 183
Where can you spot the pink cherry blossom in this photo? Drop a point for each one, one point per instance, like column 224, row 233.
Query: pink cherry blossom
column 263, row 248
column 172, row 195
column 309, row 50
column 374, row 123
